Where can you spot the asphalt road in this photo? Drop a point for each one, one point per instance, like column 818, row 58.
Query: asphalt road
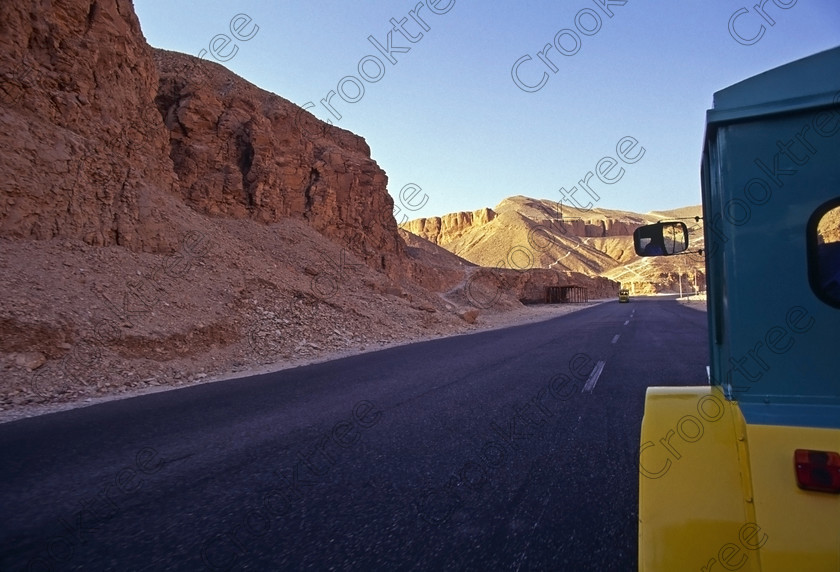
column 512, row 449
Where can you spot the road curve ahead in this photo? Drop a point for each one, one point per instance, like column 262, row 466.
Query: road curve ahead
column 512, row 449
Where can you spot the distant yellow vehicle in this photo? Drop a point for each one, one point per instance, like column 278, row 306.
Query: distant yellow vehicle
column 624, row 295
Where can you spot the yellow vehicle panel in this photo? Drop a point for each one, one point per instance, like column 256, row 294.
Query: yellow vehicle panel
column 803, row 527
column 717, row 494
column 692, row 499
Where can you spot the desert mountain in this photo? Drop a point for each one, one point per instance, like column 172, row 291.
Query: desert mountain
column 163, row 219
column 524, row 233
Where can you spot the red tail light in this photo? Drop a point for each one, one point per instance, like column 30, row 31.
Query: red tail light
column 817, row 470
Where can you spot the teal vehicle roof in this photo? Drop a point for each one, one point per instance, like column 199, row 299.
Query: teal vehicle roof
column 762, row 199
column 811, row 82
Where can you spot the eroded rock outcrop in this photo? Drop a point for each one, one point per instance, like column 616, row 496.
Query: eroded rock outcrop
column 162, row 219
column 447, row 229
column 106, row 140
column 240, row 151
column 85, row 154
column 442, row 230
column 530, row 234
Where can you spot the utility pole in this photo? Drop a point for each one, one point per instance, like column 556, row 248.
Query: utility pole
column 679, row 278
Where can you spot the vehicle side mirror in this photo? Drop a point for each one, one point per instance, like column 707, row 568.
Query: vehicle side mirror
column 660, row 239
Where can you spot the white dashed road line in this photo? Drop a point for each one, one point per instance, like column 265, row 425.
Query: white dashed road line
column 593, row 377
column 615, row 338
column 627, row 322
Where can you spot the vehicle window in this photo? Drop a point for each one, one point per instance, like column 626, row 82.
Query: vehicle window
column 824, row 253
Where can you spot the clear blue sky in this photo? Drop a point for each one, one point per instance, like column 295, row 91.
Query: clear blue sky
column 448, row 116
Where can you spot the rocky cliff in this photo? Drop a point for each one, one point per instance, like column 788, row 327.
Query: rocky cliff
column 162, row 218
column 163, row 221
column 241, row 152
column 104, row 136
column 522, row 233
column 449, row 227
column 85, row 153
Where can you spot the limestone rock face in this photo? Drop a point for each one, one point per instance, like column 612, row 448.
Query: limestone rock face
column 239, row 151
column 163, row 221
column 449, row 227
column 85, row 154
column 109, row 141
column 599, row 228
column 828, row 229
column 527, row 234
